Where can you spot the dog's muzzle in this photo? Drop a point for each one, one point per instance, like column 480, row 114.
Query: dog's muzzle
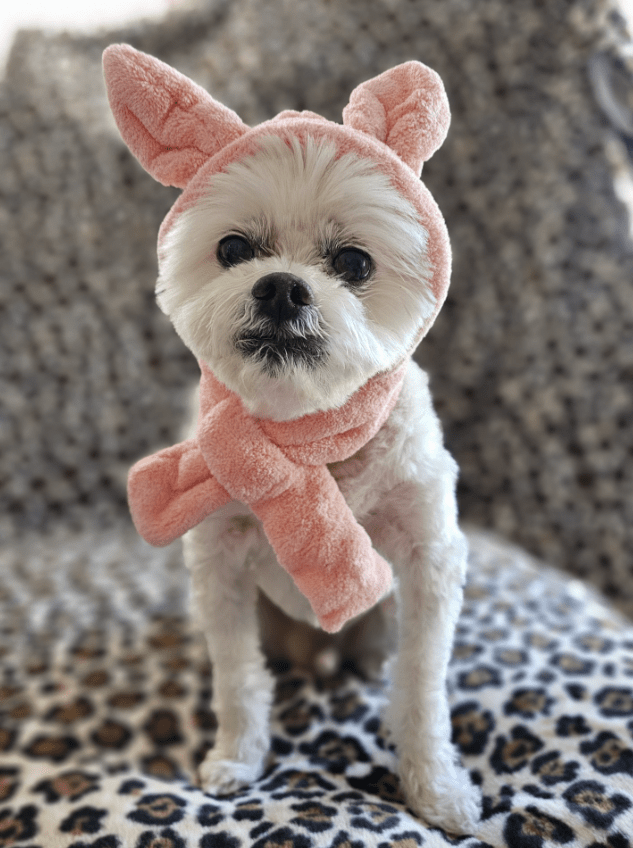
column 283, row 310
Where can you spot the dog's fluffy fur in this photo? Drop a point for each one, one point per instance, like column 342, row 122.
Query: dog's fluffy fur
column 298, row 206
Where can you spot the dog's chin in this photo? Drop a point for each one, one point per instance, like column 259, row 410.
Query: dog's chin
column 280, row 373
column 278, row 355
column 281, row 376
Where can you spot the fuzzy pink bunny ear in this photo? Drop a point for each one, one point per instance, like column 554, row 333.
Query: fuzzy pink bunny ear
column 406, row 108
column 169, row 123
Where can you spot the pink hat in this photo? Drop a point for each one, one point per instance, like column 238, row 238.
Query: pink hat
column 182, row 136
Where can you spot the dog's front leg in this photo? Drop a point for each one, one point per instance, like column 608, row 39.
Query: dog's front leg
column 418, row 532
column 225, row 603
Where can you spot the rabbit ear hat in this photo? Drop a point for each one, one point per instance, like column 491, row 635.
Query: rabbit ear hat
column 182, row 136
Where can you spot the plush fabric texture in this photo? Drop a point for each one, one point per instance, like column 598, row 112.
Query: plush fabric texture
column 170, row 124
column 405, row 108
column 279, row 470
column 396, row 120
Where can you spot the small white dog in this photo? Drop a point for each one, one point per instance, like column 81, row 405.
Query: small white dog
column 304, row 259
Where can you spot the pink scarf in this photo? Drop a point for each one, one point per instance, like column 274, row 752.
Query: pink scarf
column 277, row 468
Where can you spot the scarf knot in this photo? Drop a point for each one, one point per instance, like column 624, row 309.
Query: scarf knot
column 279, row 469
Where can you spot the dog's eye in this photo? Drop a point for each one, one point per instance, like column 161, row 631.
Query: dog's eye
column 234, row 249
column 352, row 265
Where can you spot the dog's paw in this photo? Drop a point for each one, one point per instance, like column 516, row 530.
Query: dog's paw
column 442, row 795
column 220, row 776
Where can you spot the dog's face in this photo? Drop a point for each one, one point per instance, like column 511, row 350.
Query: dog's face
column 297, row 277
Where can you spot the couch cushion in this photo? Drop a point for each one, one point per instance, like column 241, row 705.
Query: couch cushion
column 104, row 707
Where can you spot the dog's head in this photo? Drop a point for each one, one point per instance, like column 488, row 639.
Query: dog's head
column 303, row 256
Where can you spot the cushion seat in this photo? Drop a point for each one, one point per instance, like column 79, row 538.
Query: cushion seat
column 105, row 713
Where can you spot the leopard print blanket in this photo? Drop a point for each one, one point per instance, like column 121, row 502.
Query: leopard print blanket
column 104, row 714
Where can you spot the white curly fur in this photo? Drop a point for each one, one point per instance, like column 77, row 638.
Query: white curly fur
column 401, row 486
column 300, row 199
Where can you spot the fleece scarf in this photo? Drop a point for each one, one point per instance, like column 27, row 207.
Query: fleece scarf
column 279, row 469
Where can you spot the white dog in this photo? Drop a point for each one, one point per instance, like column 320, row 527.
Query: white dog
column 297, row 267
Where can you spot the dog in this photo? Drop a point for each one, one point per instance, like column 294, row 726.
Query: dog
column 304, row 262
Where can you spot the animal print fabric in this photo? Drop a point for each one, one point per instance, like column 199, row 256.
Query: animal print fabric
column 104, row 714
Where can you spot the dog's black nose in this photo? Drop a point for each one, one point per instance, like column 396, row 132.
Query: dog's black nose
column 281, row 296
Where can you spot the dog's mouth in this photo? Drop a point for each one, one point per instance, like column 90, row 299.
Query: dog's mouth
column 276, row 350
